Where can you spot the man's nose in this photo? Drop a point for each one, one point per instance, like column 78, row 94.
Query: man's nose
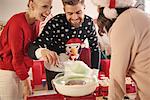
column 74, row 16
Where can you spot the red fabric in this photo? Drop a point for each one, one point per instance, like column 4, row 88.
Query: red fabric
column 112, row 3
column 47, row 97
column 14, row 42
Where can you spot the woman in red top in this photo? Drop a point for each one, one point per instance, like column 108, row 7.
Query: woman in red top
column 19, row 31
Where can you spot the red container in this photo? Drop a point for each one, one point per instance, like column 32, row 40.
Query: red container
column 85, row 56
column 97, row 92
column 104, row 90
column 37, row 72
column 105, row 63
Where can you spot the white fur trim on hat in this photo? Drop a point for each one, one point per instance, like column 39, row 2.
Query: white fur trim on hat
column 102, row 3
column 119, row 3
column 110, row 13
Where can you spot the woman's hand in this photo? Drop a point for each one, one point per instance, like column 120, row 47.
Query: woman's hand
column 27, row 89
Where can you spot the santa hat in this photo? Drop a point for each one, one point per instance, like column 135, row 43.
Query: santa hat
column 110, row 5
column 74, row 40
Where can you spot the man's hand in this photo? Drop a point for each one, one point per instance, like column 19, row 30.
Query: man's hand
column 50, row 57
column 27, row 89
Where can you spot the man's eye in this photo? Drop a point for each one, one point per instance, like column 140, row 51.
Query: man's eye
column 79, row 12
column 45, row 6
column 69, row 13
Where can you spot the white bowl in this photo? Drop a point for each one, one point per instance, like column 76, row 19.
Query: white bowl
column 89, row 85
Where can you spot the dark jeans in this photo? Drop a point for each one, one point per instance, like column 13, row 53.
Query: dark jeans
column 50, row 75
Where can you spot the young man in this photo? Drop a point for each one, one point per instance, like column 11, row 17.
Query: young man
column 51, row 43
column 19, row 31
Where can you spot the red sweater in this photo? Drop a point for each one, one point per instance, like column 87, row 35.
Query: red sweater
column 14, row 42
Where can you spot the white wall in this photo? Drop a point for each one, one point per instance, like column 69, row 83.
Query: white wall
column 10, row 7
column 147, row 7
column 91, row 10
column 57, row 7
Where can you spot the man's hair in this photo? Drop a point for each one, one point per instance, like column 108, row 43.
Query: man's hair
column 72, row 2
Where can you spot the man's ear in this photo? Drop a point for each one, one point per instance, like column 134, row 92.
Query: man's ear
column 84, row 6
column 31, row 4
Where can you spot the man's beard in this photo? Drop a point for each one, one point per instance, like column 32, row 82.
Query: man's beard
column 77, row 24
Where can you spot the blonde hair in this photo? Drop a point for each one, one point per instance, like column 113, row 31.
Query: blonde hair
column 29, row 2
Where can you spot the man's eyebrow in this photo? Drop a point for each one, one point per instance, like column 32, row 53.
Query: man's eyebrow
column 79, row 11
